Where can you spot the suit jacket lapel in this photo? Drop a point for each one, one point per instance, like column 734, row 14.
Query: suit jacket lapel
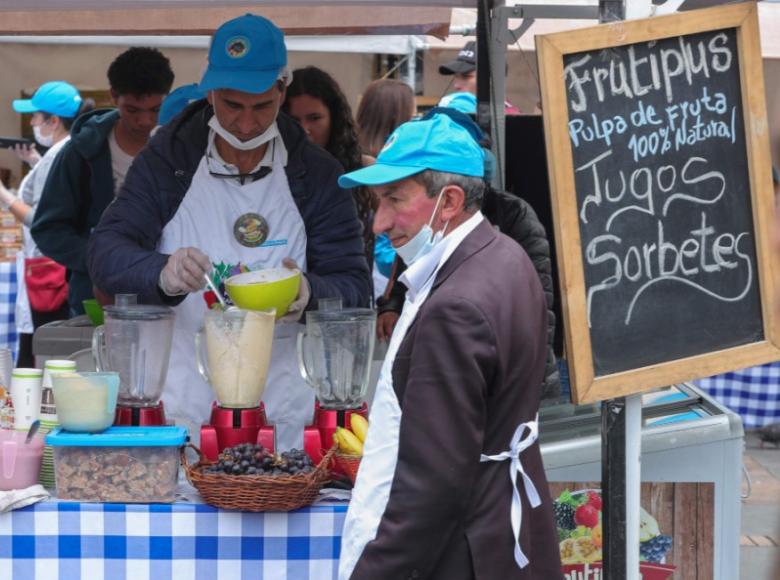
column 482, row 235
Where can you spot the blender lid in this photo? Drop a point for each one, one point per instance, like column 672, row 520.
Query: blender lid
column 139, row 312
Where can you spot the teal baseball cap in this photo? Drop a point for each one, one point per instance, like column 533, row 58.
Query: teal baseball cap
column 246, row 54
column 54, row 98
column 174, row 103
column 438, row 143
column 463, row 102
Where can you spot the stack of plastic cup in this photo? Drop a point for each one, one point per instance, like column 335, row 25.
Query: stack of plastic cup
column 49, row 414
column 26, row 396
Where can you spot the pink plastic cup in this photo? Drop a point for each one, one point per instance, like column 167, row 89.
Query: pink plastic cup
column 20, row 462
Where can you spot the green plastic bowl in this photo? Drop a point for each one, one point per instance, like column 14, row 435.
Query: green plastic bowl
column 264, row 289
column 94, row 310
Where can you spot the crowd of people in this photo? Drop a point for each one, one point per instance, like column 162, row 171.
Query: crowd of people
column 148, row 197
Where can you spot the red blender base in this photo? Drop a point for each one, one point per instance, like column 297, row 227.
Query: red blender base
column 131, row 416
column 229, row 427
column 318, row 436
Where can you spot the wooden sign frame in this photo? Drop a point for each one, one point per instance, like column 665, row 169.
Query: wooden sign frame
column 551, row 49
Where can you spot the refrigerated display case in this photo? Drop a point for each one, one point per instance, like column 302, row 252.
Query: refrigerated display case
column 686, row 437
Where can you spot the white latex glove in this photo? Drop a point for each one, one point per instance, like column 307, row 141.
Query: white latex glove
column 29, row 154
column 296, row 309
column 184, row 272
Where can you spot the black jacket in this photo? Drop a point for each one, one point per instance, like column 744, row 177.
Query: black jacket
column 79, row 188
column 514, row 217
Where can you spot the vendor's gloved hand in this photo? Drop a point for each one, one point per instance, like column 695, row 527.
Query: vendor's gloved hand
column 301, row 301
column 27, row 153
column 184, row 272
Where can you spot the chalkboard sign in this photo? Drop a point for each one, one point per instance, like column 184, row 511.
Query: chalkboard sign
column 659, row 164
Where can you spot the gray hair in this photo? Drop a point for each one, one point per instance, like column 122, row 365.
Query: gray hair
column 435, row 181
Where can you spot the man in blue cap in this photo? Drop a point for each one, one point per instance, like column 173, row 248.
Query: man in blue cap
column 230, row 183
column 458, row 392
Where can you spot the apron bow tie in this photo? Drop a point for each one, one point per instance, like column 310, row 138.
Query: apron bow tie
column 516, row 447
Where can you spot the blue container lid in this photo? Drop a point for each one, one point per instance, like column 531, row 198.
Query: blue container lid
column 120, row 437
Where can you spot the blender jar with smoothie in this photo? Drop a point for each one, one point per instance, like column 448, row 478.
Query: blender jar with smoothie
column 233, row 355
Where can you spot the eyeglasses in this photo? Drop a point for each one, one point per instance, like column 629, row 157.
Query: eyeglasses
column 243, row 177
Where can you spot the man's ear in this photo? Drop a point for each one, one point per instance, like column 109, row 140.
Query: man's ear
column 114, row 96
column 210, row 98
column 452, row 202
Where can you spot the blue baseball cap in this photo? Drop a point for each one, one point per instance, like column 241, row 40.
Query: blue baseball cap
column 179, row 98
column 55, row 98
column 463, row 102
column 246, row 54
column 438, row 143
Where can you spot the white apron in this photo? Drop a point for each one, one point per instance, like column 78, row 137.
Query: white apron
column 380, row 452
column 205, row 220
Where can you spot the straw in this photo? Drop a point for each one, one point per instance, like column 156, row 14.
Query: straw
column 215, row 290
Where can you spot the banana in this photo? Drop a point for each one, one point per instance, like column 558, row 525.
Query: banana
column 348, row 443
column 359, row 426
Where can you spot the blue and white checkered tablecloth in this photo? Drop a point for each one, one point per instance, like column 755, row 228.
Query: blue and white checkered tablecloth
column 753, row 393
column 71, row 541
column 8, row 306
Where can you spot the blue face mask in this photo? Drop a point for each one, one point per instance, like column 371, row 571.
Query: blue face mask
column 424, row 241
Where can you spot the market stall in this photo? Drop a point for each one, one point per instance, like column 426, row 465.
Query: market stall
column 121, row 539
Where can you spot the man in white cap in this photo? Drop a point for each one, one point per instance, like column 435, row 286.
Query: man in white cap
column 232, row 181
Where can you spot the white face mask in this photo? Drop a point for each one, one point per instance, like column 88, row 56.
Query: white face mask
column 268, row 135
column 424, row 241
column 43, row 140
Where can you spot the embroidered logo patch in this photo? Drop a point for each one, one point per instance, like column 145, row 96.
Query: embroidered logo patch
column 237, row 46
column 251, row 230
column 389, row 143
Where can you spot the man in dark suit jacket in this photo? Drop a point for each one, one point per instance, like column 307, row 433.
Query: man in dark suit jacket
column 458, row 396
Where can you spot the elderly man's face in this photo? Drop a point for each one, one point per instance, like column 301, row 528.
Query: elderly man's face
column 246, row 115
column 403, row 209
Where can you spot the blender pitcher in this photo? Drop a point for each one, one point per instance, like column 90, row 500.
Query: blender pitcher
column 135, row 341
column 335, row 353
column 234, row 352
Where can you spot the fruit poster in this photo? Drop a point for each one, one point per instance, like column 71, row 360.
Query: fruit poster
column 676, row 530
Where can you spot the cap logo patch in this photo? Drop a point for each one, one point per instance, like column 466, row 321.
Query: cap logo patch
column 389, row 143
column 237, row 47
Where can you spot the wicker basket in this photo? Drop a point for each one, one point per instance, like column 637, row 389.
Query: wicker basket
column 256, row 493
column 349, row 464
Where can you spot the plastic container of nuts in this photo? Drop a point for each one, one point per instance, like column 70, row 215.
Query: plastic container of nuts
column 120, row 464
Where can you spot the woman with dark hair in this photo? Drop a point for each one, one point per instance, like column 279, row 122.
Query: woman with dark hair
column 316, row 101
column 386, row 104
column 54, row 107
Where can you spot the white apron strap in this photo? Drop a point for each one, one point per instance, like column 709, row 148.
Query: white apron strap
column 517, row 446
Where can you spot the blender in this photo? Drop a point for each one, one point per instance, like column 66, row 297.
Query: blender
column 233, row 351
column 135, row 341
column 334, row 355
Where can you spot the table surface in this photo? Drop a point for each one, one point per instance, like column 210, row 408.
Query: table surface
column 55, row 540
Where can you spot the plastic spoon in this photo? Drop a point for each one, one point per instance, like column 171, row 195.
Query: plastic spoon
column 32, row 431
column 213, row 288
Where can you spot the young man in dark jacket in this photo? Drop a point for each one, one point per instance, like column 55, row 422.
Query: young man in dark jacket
column 89, row 171
column 233, row 182
column 512, row 216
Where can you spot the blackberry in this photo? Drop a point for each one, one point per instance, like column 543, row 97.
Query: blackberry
column 564, row 515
